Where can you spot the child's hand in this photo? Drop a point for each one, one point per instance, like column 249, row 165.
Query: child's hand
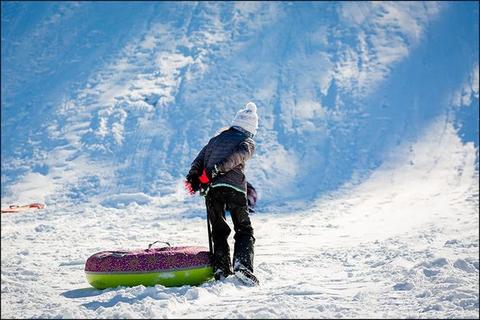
column 189, row 187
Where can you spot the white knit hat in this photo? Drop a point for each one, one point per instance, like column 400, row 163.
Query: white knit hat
column 247, row 118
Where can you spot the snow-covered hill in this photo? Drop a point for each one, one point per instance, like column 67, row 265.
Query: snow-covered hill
column 366, row 166
column 125, row 101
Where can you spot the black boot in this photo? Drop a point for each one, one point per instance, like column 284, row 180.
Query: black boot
column 243, row 251
column 243, row 259
column 222, row 267
column 220, row 274
column 245, row 275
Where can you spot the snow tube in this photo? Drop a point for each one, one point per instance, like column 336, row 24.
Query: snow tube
column 168, row 266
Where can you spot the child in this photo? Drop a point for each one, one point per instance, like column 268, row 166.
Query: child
column 220, row 166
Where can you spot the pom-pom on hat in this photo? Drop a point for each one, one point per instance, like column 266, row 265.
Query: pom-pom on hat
column 247, row 118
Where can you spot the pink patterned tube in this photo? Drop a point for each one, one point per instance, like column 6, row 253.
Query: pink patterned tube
column 148, row 260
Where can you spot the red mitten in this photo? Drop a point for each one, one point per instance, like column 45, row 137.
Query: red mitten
column 203, row 178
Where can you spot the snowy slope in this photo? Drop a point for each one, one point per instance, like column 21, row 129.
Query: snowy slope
column 366, row 166
column 333, row 92
column 402, row 244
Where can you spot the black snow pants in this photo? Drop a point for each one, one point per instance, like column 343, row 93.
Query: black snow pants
column 218, row 200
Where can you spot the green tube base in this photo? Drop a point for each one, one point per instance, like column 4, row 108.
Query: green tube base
column 195, row 276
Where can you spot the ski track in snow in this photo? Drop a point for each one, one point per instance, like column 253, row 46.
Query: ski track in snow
column 403, row 244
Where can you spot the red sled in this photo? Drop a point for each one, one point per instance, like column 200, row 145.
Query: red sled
column 17, row 208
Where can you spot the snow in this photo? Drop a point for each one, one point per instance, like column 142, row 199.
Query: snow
column 366, row 167
column 29, row 187
column 377, row 249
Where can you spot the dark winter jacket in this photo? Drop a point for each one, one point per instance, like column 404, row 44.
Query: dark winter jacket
column 229, row 151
